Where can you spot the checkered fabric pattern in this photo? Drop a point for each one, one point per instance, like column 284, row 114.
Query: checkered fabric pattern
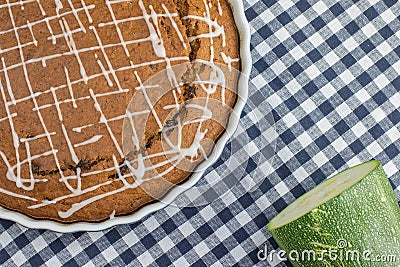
column 330, row 71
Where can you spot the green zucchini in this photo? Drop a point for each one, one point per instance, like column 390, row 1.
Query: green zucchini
column 351, row 219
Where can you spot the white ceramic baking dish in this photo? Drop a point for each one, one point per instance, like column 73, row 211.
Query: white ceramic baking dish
column 246, row 64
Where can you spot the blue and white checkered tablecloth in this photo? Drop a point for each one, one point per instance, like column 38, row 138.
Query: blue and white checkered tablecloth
column 330, row 70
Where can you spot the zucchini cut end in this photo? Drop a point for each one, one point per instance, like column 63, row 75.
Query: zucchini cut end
column 322, row 193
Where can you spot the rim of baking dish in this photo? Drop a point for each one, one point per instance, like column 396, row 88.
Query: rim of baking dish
column 246, row 64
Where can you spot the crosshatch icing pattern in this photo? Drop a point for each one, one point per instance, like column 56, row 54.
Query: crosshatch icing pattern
column 344, row 113
column 68, row 72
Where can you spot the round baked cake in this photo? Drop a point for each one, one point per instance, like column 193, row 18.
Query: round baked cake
column 106, row 105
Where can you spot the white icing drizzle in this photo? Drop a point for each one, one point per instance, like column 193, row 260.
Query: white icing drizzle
column 8, row 84
column 154, row 62
column 176, row 100
column 48, row 19
column 4, row 191
column 183, row 58
column 207, row 114
column 83, row 191
column 102, row 24
column 57, row 104
column 57, row 36
column 109, row 65
column 217, row 78
column 216, row 29
column 121, row 117
column 77, row 99
column 21, row 2
column 94, row 139
column 138, row 167
column 155, row 34
column 219, row 8
column 11, row 176
column 41, row 8
column 146, row 97
column 104, row 120
column 174, row 106
column 12, row 115
column 23, row 140
column 170, row 16
column 79, row 205
column 17, row 179
column 60, row 102
column 71, row 92
column 53, row 38
column 32, row 180
column 141, row 169
column 109, row 82
column 71, row 149
column 228, row 60
column 129, row 115
column 20, row 100
column 79, row 129
column 112, row 215
column 79, row 181
column 25, row 161
column 2, row 51
column 75, row 12
column 123, row 43
column 158, row 43
column 71, row 44
column 134, row 138
column 35, row 42
column 86, row 8
column 59, row 6
column 64, row 130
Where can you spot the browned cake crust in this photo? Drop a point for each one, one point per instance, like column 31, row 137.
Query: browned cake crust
column 70, row 70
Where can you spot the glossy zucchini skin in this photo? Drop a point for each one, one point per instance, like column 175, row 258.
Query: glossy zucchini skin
column 364, row 219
